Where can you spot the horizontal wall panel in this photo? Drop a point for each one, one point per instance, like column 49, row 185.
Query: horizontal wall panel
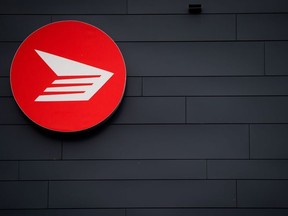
column 262, row 26
column 150, row 27
column 161, row 142
column 247, row 169
column 214, row 86
column 193, row 58
column 8, row 170
column 20, row 195
column 206, row 212
column 105, row 194
column 132, row 110
column 208, row 6
column 63, row 7
column 150, row 110
column 64, row 212
column 276, row 55
column 237, row 110
column 5, row 89
column 269, row 141
column 244, row 6
column 10, row 113
column 147, row 212
column 27, row 143
column 262, row 194
column 18, row 27
column 8, row 50
column 133, row 86
column 114, row 169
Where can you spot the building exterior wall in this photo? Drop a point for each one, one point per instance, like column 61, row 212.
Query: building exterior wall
column 202, row 129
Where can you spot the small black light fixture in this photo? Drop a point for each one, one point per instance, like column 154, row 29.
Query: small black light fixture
column 195, row 8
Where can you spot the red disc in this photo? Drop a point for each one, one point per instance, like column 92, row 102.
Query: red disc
column 68, row 76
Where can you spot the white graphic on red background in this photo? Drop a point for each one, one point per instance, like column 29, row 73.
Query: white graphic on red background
column 92, row 79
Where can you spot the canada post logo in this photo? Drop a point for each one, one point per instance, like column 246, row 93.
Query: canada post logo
column 68, row 76
column 90, row 79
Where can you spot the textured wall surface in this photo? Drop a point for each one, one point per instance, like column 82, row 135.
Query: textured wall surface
column 202, row 130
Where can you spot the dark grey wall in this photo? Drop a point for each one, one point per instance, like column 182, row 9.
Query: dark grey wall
column 202, row 130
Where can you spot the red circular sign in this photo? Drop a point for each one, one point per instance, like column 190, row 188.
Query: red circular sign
column 68, row 76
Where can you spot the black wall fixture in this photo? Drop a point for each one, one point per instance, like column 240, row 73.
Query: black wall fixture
column 195, row 8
